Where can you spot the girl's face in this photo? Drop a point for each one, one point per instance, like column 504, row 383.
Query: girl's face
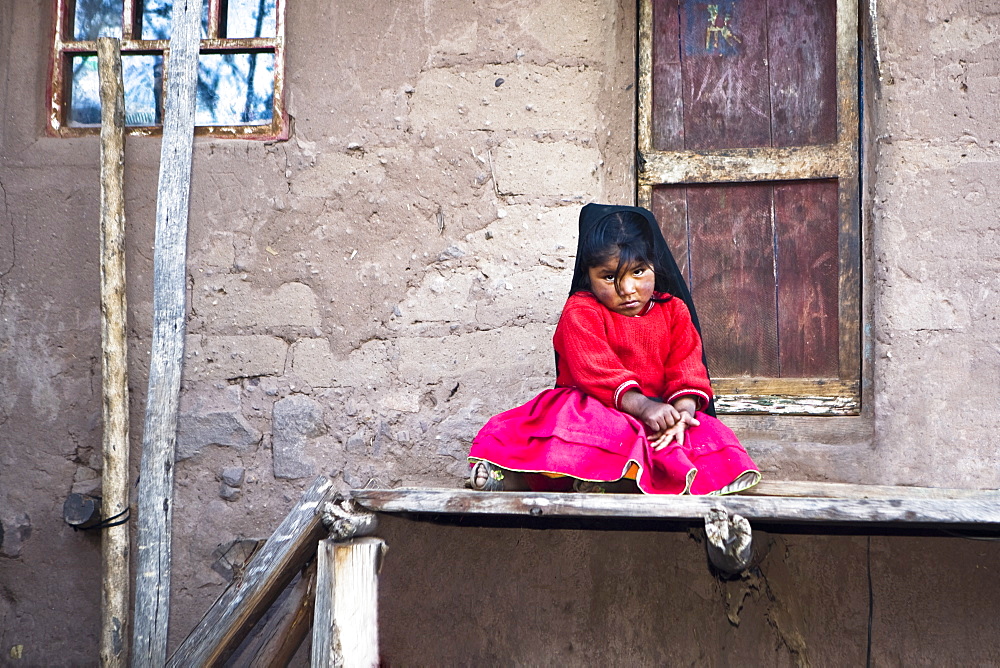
column 634, row 289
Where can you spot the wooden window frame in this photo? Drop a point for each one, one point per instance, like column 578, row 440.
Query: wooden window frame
column 841, row 160
column 63, row 49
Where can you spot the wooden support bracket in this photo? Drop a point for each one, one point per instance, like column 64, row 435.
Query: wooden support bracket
column 345, row 519
column 730, row 542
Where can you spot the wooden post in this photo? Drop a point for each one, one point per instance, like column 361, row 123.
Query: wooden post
column 345, row 621
column 114, row 359
column 270, row 570
column 155, row 494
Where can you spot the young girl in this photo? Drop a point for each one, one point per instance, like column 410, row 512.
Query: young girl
column 631, row 386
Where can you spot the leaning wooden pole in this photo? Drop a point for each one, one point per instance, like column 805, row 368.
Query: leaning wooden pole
column 159, row 441
column 272, row 567
column 114, row 359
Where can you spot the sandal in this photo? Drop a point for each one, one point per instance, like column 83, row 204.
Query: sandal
column 492, row 473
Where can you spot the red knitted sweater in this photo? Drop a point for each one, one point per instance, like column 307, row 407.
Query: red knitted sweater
column 605, row 354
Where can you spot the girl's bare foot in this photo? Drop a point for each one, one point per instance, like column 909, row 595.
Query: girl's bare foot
column 486, row 477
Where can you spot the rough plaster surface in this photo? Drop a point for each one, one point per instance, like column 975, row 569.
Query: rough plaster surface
column 936, row 241
column 363, row 296
column 570, row 597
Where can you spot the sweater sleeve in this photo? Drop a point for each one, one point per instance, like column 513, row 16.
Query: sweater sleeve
column 587, row 357
column 684, row 372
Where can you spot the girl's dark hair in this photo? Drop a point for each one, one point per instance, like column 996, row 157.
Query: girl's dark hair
column 623, row 233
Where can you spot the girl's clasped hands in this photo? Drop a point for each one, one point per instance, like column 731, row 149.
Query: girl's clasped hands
column 667, row 422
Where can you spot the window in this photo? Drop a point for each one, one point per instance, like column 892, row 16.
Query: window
column 748, row 156
column 240, row 74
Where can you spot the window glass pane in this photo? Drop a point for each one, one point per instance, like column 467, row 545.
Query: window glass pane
column 156, row 19
column 143, row 87
column 85, row 99
column 97, row 18
column 235, row 89
column 142, row 76
column 250, row 18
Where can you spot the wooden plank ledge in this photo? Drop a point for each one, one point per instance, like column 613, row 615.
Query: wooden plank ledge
column 981, row 509
column 842, row 490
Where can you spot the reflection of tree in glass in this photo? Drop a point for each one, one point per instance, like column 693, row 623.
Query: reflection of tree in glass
column 142, row 76
column 207, row 90
column 97, row 18
column 243, row 21
column 85, row 105
column 234, row 88
column 156, row 19
column 228, row 95
column 251, row 91
column 156, row 15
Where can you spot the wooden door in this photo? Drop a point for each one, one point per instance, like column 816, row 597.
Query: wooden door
column 748, row 152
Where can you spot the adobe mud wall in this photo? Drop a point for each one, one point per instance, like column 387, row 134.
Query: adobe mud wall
column 937, row 245
column 363, row 296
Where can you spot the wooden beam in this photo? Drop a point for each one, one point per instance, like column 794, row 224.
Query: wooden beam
column 155, row 494
column 345, row 621
column 114, row 358
column 840, row 490
column 746, row 164
column 270, row 570
column 280, row 633
column 81, row 511
column 975, row 510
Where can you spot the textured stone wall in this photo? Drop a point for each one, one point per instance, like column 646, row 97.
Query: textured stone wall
column 937, row 245
column 363, row 296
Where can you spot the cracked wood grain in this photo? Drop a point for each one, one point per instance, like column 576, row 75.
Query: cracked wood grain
column 155, row 493
column 114, row 359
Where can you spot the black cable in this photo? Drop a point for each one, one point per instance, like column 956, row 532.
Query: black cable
column 109, row 522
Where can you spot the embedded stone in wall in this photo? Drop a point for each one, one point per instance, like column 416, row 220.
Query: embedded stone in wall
column 456, row 431
column 547, row 170
column 329, row 175
column 297, row 419
column 15, row 530
column 525, row 234
column 497, row 352
column 313, row 362
column 227, row 302
column 567, row 33
column 231, row 480
column 233, row 476
column 234, row 356
column 441, row 299
column 530, row 98
column 358, row 442
column 209, row 416
column 401, row 401
column 86, row 481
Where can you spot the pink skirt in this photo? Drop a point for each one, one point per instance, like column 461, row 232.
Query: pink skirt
column 565, row 432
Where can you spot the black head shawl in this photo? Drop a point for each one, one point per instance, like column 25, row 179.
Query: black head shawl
column 668, row 275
